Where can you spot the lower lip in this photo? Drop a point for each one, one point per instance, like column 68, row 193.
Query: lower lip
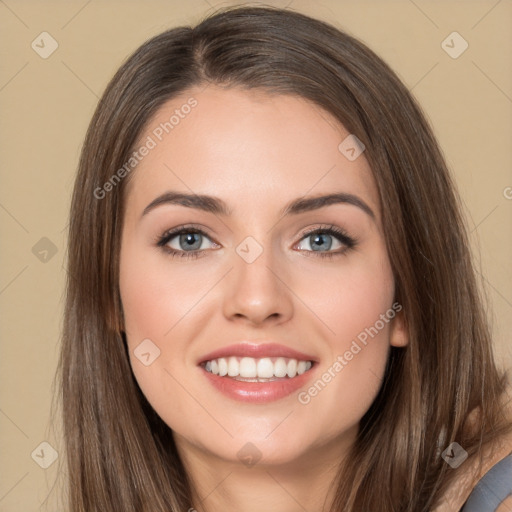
column 258, row 392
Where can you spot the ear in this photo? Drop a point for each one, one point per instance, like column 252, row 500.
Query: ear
column 399, row 334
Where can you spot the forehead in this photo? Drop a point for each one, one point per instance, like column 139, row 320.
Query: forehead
column 246, row 146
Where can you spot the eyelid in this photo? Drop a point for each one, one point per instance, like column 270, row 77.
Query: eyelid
column 323, row 228
column 160, row 239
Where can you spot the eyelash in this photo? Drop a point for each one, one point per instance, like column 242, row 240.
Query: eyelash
column 341, row 235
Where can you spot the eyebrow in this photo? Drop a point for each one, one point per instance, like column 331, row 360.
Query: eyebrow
column 217, row 206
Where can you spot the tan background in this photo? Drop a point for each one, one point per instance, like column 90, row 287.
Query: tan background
column 46, row 105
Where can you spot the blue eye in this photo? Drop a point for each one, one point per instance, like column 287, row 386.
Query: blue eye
column 189, row 241
column 321, row 239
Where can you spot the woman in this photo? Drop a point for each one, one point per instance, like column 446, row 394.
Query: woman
column 215, row 356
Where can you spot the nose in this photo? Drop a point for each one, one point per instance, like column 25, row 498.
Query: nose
column 257, row 293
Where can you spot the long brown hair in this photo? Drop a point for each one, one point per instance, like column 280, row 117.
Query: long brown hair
column 120, row 454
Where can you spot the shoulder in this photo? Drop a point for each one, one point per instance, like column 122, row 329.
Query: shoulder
column 492, row 489
column 476, row 479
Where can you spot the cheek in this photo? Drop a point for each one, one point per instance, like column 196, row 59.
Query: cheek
column 155, row 295
column 353, row 296
column 161, row 304
column 151, row 308
column 357, row 306
column 149, row 305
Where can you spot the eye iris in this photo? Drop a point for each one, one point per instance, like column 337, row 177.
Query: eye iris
column 320, row 237
column 191, row 240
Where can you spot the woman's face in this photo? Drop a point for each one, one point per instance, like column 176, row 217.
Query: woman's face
column 255, row 287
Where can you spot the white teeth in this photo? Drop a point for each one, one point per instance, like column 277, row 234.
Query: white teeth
column 223, row 366
column 265, row 368
column 247, row 367
column 251, row 368
column 233, row 367
column 280, row 367
column 292, row 368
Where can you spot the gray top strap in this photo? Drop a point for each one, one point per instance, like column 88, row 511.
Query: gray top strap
column 492, row 488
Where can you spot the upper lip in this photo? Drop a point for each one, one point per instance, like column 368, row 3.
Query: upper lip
column 257, row 351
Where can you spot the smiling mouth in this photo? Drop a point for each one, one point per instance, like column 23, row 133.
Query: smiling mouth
column 249, row 369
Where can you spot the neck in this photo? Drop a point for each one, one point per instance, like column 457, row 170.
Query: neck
column 306, row 483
